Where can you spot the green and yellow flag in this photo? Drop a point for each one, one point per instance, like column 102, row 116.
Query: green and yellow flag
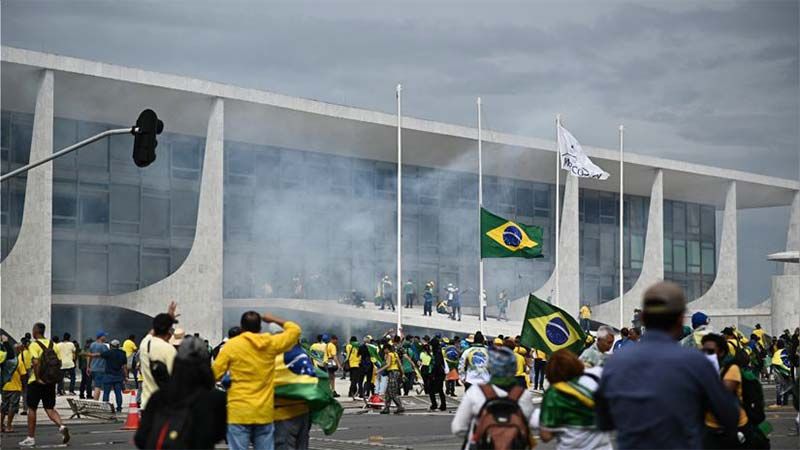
column 548, row 328
column 503, row 238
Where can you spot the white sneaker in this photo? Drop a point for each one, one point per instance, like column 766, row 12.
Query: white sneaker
column 27, row 442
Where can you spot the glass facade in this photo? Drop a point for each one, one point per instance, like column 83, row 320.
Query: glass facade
column 327, row 219
column 116, row 228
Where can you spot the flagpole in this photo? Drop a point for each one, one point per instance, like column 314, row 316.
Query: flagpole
column 399, row 284
column 557, row 208
column 480, row 205
column 621, row 229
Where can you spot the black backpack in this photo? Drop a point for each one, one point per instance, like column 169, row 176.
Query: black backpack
column 752, row 396
column 48, row 371
column 172, row 426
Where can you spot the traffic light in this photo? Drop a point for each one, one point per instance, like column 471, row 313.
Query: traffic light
column 144, row 142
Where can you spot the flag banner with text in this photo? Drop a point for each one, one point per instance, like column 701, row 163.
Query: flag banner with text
column 574, row 160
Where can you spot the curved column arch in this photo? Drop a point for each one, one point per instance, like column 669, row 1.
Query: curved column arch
column 653, row 267
column 197, row 284
column 26, row 271
column 785, row 289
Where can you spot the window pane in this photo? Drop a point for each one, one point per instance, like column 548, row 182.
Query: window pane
column 709, row 259
column 125, row 203
column 678, row 218
column 154, row 268
column 693, row 253
column 124, row 266
column 92, row 272
column 94, row 210
column 155, row 217
column 679, row 256
column 708, row 221
column 63, row 260
column 184, row 207
column 693, row 218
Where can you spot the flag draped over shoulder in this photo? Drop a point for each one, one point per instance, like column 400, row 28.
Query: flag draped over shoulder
column 548, row 328
column 574, row 160
column 375, row 354
column 503, row 238
column 296, row 378
column 567, row 404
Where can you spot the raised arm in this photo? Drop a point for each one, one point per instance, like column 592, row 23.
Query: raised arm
column 288, row 338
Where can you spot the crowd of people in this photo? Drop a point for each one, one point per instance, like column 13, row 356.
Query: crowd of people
column 655, row 385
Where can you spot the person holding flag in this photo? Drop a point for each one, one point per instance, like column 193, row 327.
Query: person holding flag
column 549, row 328
column 782, row 368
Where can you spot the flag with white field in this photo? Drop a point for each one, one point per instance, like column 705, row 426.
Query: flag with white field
column 574, row 160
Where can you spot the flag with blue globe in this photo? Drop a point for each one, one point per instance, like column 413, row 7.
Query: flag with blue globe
column 503, row 238
column 549, row 328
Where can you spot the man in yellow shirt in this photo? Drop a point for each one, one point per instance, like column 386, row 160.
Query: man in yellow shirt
column 586, row 316
column 354, row 363
column 68, row 355
column 39, row 391
column 12, row 391
column 250, row 359
column 129, row 347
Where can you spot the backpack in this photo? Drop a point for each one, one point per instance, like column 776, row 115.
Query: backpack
column 7, row 370
column 159, row 371
column 172, row 426
column 752, row 396
column 48, row 371
column 500, row 424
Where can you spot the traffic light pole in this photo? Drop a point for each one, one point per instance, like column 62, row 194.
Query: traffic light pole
column 71, row 148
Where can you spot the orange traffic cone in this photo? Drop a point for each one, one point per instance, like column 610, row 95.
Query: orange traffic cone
column 132, row 421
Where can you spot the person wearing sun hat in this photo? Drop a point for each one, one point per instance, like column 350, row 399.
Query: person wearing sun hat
column 177, row 337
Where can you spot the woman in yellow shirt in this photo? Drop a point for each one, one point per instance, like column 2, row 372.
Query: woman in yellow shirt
column 391, row 365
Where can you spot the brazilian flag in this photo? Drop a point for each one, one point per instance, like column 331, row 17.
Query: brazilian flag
column 548, row 328
column 503, row 238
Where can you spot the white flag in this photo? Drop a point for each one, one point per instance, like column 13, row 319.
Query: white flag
column 574, row 160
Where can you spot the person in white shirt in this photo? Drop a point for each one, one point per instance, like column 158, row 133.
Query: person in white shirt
column 502, row 366
column 472, row 366
column 68, row 354
column 156, row 356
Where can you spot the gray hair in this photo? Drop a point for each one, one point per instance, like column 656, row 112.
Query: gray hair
column 604, row 331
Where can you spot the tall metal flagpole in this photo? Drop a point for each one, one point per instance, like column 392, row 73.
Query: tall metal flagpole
column 557, row 208
column 481, row 310
column 398, row 286
column 621, row 232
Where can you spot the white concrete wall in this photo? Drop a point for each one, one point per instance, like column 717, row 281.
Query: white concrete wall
column 785, row 291
column 568, row 260
column 197, row 284
column 26, row 271
column 652, row 268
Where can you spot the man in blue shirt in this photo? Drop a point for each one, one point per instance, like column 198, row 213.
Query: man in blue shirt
column 97, row 365
column 116, row 372
column 655, row 394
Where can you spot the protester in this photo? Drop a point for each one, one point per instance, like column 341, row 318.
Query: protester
column 250, row 359
column 332, row 361
column 391, row 367
column 410, row 293
column 12, row 390
column 25, row 359
column 97, row 365
column 655, row 394
column 715, row 436
column 156, row 355
column 567, row 412
column 366, row 369
column 116, row 373
column 623, row 339
column 188, row 412
column 451, row 357
column 501, row 384
column 177, row 337
column 782, row 369
column 42, row 379
column 85, row 389
column 539, row 370
column 595, row 356
column 353, row 363
column 67, row 352
column 634, row 334
column 585, row 315
column 130, row 348
column 438, row 370
column 472, row 367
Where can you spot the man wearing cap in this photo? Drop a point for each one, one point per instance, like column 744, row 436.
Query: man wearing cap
column 116, row 372
column 97, row 365
column 156, row 355
column 700, row 327
column 655, row 394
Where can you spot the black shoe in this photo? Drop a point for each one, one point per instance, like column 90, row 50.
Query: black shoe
column 336, row 395
column 385, row 411
column 400, row 411
column 443, row 408
column 433, row 408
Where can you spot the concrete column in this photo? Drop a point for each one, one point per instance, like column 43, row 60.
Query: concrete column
column 197, row 284
column 26, row 271
column 785, row 291
column 568, row 259
column 724, row 293
column 653, row 267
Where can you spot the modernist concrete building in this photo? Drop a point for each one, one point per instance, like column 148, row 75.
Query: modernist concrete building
column 253, row 190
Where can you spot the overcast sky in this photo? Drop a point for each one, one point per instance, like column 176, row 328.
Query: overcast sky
column 712, row 82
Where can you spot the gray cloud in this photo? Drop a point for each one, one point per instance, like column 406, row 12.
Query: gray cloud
column 708, row 82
